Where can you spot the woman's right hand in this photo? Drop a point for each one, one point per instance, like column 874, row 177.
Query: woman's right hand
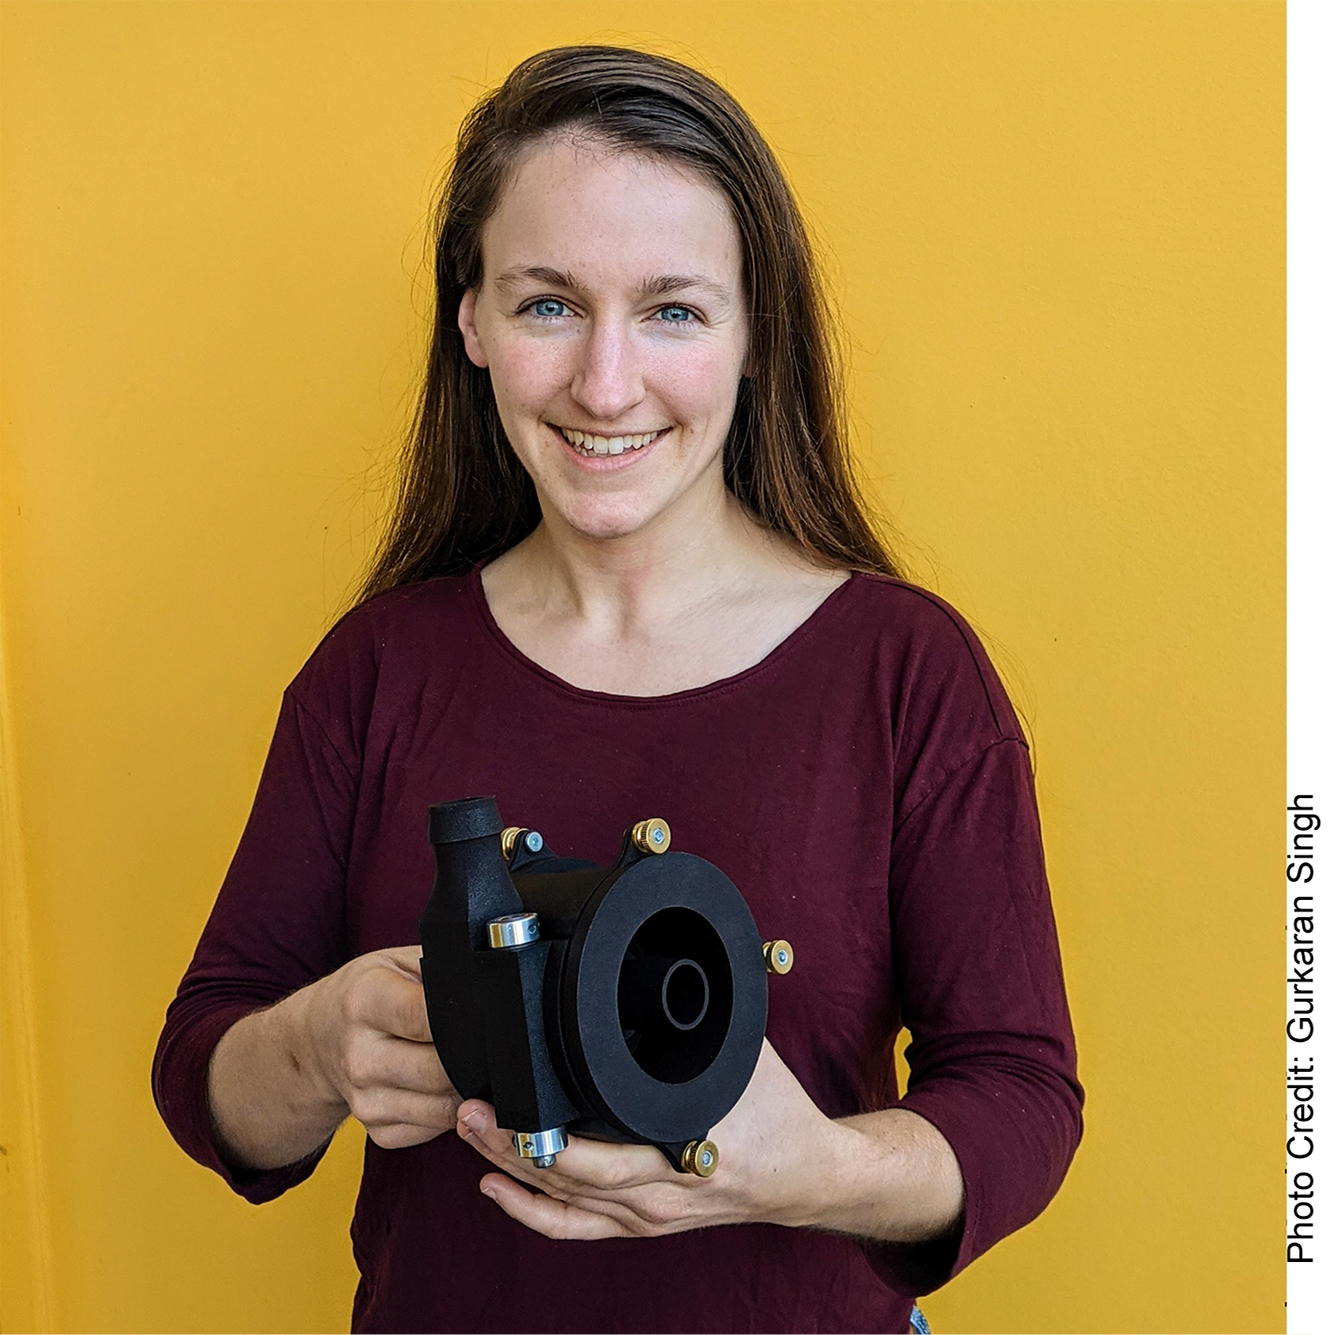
column 282, row 1079
column 367, row 1031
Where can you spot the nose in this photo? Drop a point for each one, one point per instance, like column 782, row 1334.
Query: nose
column 608, row 381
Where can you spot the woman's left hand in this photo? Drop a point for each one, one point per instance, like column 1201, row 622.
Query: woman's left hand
column 777, row 1158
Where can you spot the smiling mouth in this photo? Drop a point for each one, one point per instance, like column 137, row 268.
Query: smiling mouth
column 589, row 446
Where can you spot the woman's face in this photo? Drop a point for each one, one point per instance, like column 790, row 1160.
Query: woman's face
column 612, row 319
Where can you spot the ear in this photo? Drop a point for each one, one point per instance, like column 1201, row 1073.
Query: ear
column 468, row 328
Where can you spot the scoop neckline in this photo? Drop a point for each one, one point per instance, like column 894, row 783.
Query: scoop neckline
column 802, row 631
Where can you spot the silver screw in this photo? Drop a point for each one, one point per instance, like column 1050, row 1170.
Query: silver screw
column 533, row 841
column 546, row 1161
column 658, row 836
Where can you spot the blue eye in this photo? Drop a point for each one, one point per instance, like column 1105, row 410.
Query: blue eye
column 676, row 315
column 548, row 308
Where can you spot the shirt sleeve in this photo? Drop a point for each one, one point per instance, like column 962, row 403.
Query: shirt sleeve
column 992, row 1057
column 278, row 924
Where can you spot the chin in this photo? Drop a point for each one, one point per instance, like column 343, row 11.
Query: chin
column 605, row 521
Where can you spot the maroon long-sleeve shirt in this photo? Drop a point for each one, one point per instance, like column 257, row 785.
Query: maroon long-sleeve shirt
column 865, row 785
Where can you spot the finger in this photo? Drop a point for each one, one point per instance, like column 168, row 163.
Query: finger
column 382, row 1107
column 589, row 1168
column 374, row 1058
column 552, row 1218
column 477, row 1127
column 476, row 1123
column 604, row 1166
column 397, row 1005
column 401, row 1137
column 411, row 1065
column 408, row 958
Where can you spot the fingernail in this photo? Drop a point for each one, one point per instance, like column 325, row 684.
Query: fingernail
column 488, row 1193
column 473, row 1121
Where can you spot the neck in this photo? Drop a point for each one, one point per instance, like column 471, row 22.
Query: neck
column 656, row 573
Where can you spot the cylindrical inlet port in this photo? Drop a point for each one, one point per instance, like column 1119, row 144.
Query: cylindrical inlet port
column 656, row 991
column 685, row 994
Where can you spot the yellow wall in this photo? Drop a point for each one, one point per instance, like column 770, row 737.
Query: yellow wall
column 1057, row 233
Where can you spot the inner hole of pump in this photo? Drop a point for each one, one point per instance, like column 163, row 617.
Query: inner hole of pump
column 685, row 994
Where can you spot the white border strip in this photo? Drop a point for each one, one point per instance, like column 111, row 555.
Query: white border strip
column 1311, row 664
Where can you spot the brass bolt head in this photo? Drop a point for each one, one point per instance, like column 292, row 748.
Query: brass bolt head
column 651, row 836
column 510, row 841
column 778, row 956
column 700, row 1157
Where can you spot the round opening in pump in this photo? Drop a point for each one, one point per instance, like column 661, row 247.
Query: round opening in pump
column 685, row 994
column 674, row 995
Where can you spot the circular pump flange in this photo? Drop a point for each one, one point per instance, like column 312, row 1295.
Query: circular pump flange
column 663, row 998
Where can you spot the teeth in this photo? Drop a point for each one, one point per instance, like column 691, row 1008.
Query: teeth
column 590, row 444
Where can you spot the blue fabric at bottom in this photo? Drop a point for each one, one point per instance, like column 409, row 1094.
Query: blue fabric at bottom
column 918, row 1322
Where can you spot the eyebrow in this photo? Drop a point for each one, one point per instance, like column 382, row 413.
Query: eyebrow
column 660, row 285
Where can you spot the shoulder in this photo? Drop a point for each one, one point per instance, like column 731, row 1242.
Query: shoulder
column 932, row 647
column 394, row 634
column 947, row 704
column 409, row 613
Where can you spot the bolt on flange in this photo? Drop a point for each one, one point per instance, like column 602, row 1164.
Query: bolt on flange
column 511, row 837
column 651, row 836
column 778, row 956
column 700, row 1157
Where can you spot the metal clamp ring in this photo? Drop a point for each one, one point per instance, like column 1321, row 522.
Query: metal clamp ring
column 515, row 929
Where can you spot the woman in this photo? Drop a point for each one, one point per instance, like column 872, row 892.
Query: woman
column 629, row 575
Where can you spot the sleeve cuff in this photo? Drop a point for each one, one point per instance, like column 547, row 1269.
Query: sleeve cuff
column 978, row 1128
column 918, row 1268
column 180, row 1089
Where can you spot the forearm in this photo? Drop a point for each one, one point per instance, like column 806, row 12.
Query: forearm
column 890, row 1176
column 269, row 1103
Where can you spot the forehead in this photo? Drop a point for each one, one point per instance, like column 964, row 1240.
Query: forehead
column 610, row 217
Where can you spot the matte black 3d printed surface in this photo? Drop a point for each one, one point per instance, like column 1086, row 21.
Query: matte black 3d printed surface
column 638, row 1013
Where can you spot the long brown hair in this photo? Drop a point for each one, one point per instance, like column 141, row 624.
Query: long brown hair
column 463, row 495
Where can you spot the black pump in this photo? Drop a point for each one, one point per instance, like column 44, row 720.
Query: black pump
column 624, row 1003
